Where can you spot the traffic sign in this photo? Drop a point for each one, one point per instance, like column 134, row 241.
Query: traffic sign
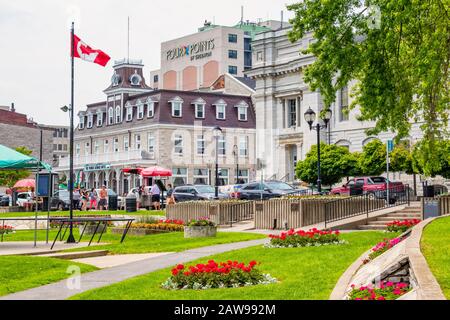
column 390, row 145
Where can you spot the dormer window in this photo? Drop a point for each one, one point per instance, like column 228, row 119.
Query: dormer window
column 81, row 125
column 115, row 80
column 111, row 115
column 220, row 109
column 129, row 108
column 118, row 114
column 177, row 107
column 150, row 109
column 90, row 120
column 135, row 79
column 242, row 108
column 199, row 105
column 140, row 110
column 99, row 118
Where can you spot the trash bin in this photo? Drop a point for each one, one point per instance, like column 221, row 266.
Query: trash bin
column 130, row 204
column 112, row 202
column 356, row 190
column 428, row 191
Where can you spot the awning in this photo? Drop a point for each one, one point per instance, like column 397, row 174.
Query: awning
column 132, row 170
column 156, row 172
column 12, row 160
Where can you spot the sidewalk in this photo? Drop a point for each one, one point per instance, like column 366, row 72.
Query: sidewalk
column 92, row 280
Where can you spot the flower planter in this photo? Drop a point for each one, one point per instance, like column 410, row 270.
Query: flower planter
column 200, row 231
column 90, row 228
column 139, row 231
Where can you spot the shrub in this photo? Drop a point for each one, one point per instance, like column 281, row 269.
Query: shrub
column 230, row 274
column 386, row 291
column 202, row 222
column 159, row 226
column 313, row 237
column 401, row 226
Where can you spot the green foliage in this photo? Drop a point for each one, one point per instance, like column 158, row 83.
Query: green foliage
column 433, row 158
column 336, row 163
column 372, row 161
column 402, row 160
column 400, row 64
column 10, row 177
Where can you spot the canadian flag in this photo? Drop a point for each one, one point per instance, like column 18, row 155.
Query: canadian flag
column 85, row 52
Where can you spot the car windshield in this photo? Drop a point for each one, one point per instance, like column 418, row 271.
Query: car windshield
column 377, row 180
column 279, row 185
column 205, row 189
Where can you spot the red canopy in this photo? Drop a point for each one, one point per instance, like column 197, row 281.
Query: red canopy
column 156, row 172
column 132, row 170
column 24, row 184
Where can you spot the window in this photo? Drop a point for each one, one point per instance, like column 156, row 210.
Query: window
column 155, row 78
column 116, row 145
column 232, row 70
column 243, row 176
column 243, row 146
column 81, row 125
column 86, row 148
column 59, row 147
column 99, row 119
column 200, row 145
column 220, row 111
column 259, row 56
column 137, row 142
column 118, row 114
column 65, row 147
column 232, row 54
column 176, row 109
column 242, row 113
column 222, row 146
column 126, row 143
column 96, row 147
column 223, row 177
column 55, row 147
column 200, row 110
column 106, row 146
column 110, row 115
column 179, row 176
column 151, row 143
column 292, row 112
column 201, row 176
column 343, row 106
column 90, row 120
column 150, row 109
column 77, row 149
column 178, row 144
column 140, row 110
column 129, row 112
column 232, row 38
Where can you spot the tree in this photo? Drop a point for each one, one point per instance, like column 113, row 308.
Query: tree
column 372, row 161
column 336, row 163
column 397, row 51
column 10, row 177
column 441, row 152
column 401, row 160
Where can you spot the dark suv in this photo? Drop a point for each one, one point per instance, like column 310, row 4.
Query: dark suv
column 195, row 192
column 265, row 190
column 4, row 200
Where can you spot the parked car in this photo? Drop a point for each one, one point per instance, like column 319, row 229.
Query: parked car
column 376, row 186
column 266, row 190
column 60, row 200
column 196, row 192
column 4, row 200
column 231, row 190
column 24, row 197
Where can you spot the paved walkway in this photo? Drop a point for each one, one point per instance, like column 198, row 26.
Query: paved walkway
column 92, row 280
column 27, row 247
column 118, row 259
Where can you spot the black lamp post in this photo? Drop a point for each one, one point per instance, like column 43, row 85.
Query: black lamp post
column 310, row 117
column 236, row 157
column 217, row 132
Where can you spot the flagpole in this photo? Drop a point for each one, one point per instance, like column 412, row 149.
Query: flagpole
column 71, row 238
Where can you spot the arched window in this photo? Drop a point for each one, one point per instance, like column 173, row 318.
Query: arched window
column 343, row 143
column 110, row 115
column 367, row 140
column 118, row 114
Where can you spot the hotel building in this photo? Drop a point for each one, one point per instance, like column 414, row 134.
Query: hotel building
column 139, row 127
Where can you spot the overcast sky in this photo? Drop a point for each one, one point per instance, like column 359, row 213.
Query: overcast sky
column 35, row 43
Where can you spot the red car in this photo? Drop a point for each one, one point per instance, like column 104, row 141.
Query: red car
column 371, row 185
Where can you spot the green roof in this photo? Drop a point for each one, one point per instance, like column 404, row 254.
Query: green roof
column 251, row 29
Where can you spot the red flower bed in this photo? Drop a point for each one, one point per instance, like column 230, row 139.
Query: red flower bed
column 6, row 229
column 172, row 221
column 313, row 237
column 216, row 275
column 401, row 226
column 386, row 291
column 382, row 247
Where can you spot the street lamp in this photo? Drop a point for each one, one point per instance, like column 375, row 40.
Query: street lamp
column 217, row 132
column 310, row 117
column 70, row 238
column 236, row 155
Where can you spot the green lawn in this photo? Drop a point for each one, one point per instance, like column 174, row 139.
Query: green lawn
column 435, row 246
column 82, row 213
column 18, row 273
column 164, row 242
column 303, row 273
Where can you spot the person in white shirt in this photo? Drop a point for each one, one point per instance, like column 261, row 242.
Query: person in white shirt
column 155, row 191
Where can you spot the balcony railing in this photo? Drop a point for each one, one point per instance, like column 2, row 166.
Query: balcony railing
column 108, row 157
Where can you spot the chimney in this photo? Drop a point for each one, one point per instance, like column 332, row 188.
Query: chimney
column 281, row 25
column 12, row 107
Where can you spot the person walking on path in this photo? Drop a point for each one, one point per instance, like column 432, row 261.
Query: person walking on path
column 92, row 199
column 155, row 196
column 170, row 197
column 84, row 199
column 103, row 195
column 76, row 198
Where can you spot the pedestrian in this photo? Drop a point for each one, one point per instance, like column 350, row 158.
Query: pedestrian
column 76, row 199
column 84, row 199
column 103, row 196
column 170, row 196
column 92, row 199
column 139, row 193
column 155, row 191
